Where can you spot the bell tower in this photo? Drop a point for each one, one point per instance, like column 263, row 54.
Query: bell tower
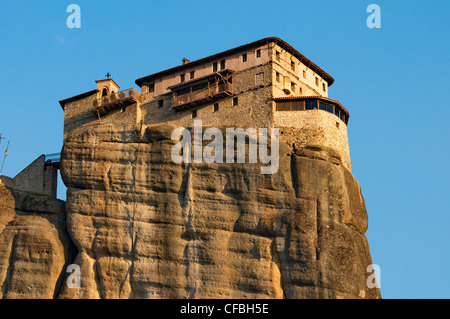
column 106, row 86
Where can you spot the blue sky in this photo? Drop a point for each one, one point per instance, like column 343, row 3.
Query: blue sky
column 393, row 80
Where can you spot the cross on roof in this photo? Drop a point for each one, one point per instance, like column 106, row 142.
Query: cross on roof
column 108, row 75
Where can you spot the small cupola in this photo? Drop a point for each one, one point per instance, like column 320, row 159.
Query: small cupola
column 107, row 86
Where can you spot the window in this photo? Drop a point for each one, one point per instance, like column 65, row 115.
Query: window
column 216, row 107
column 244, row 57
column 235, row 101
column 181, row 78
column 277, row 76
column 296, row 105
column 258, row 53
column 160, row 103
column 192, row 74
column 292, row 65
column 151, row 88
column 215, row 67
column 222, row 64
column 194, row 114
column 301, row 91
column 293, row 87
column 304, row 74
column 104, row 92
column 310, row 104
column 277, row 55
column 289, row 106
column 317, row 81
column 283, row 106
column 330, row 108
column 326, row 107
column 323, row 87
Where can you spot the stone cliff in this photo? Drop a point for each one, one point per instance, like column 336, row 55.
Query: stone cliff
column 146, row 227
column 35, row 248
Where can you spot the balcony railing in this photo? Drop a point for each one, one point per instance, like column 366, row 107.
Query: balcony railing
column 116, row 100
column 201, row 96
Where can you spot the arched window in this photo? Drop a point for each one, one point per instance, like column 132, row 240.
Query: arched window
column 104, row 92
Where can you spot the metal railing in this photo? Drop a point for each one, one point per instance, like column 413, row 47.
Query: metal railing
column 117, row 96
column 201, row 94
column 52, row 159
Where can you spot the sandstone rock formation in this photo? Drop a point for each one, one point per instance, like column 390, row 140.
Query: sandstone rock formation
column 146, row 227
column 34, row 245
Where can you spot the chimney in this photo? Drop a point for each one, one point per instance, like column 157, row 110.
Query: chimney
column 185, row 61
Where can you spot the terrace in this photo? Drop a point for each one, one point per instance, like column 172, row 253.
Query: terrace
column 203, row 90
column 115, row 101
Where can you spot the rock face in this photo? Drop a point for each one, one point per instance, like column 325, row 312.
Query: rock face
column 34, row 245
column 146, row 227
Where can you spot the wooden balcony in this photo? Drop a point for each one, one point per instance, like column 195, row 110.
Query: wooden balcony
column 115, row 101
column 209, row 94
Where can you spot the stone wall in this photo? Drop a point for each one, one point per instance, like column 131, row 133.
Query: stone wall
column 282, row 65
column 254, row 94
column 78, row 115
column 232, row 61
column 314, row 127
column 38, row 178
column 31, row 178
